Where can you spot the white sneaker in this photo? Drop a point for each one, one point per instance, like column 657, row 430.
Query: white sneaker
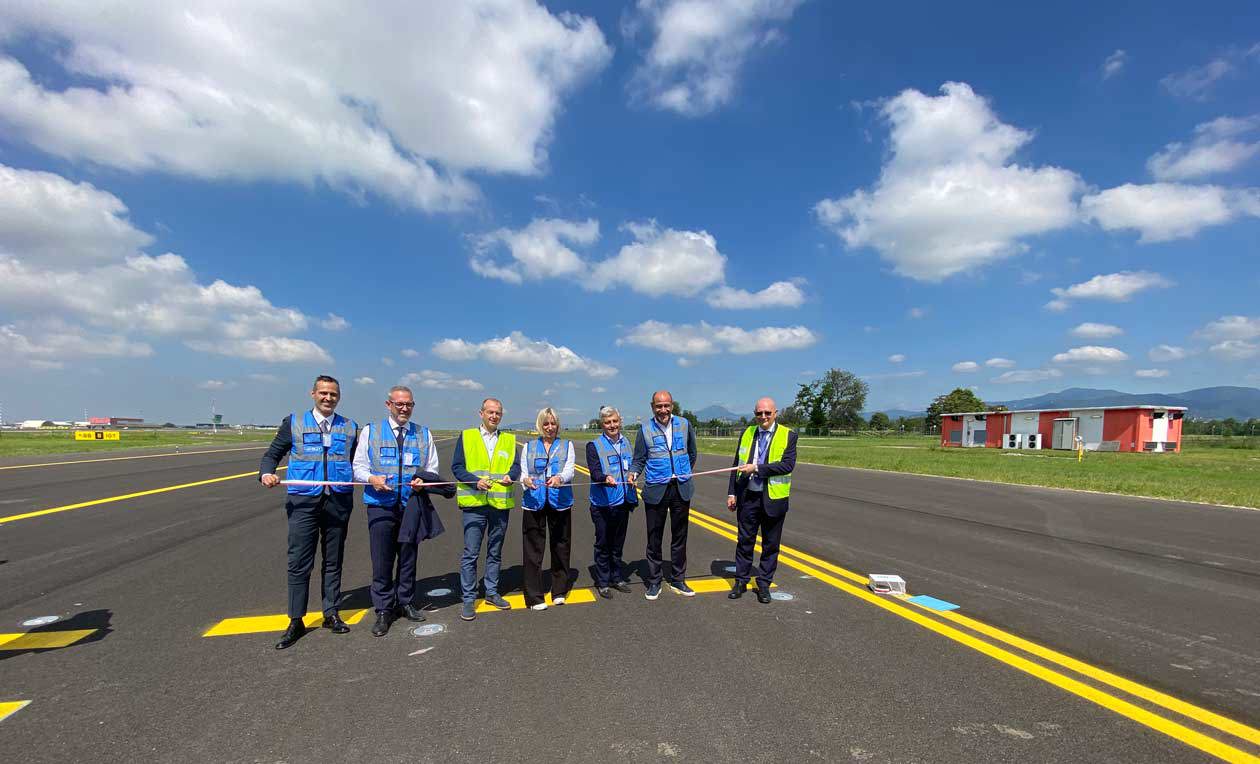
column 539, row 606
column 557, row 600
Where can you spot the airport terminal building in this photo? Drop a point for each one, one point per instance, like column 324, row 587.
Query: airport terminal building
column 1152, row 429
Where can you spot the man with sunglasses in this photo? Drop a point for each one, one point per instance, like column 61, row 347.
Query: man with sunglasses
column 396, row 458
column 758, row 492
column 319, row 443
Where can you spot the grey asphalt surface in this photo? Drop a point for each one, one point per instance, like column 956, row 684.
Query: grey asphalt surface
column 1162, row 593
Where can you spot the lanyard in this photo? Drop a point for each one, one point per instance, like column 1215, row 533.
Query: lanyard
column 555, row 444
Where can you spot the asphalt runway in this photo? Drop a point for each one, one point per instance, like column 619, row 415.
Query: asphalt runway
column 1090, row 628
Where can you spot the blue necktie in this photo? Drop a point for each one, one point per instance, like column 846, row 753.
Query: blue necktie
column 759, row 458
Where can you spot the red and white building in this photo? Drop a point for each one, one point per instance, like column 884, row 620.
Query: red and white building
column 1107, row 428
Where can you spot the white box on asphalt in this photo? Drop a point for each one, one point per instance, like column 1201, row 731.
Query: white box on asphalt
column 885, row 583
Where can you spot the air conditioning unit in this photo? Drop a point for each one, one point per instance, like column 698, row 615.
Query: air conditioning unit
column 1033, row 441
column 1013, row 440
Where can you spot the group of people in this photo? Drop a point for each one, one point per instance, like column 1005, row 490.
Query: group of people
column 396, row 462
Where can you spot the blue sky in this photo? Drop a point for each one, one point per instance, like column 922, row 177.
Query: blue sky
column 577, row 204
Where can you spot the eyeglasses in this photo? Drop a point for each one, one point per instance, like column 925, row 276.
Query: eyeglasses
column 408, row 405
column 763, row 413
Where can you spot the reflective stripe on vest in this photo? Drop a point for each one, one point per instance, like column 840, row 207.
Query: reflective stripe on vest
column 777, row 486
column 667, row 460
column 384, row 459
column 482, row 464
column 540, row 465
column 613, row 460
column 306, row 454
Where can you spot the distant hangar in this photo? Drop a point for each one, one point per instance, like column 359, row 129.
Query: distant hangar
column 1151, row 429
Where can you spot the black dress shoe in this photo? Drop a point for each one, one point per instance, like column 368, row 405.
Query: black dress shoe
column 763, row 595
column 335, row 623
column 621, row 586
column 383, row 621
column 411, row 613
column 292, row 634
column 737, row 591
column 605, row 592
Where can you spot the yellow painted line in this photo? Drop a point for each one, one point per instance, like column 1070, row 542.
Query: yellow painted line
column 136, row 495
column 1138, row 714
column 10, row 707
column 259, row 624
column 517, row 601
column 1199, row 714
column 126, row 458
column 42, row 640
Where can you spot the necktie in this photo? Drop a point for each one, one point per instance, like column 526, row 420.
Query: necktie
column 323, row 428
column 761, row 447
column 401, row 435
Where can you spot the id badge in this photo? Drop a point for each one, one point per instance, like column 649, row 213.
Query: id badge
column 409, row 459
column 389, row 452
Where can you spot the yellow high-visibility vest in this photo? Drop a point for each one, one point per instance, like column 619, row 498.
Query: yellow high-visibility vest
column 778, row 486
column 482, row 464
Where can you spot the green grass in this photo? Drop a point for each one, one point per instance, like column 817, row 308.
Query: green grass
column 1218, row 471
column 63, row 442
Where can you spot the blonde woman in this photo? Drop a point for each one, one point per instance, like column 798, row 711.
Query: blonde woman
column 547, row 472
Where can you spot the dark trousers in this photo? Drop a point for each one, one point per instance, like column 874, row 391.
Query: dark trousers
column 393, row 561
column 679, row 511
column 751, row 517
column 535, row 526
column 322, row 523
column 610, row 539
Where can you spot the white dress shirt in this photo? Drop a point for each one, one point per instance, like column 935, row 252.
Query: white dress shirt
column 362, row 452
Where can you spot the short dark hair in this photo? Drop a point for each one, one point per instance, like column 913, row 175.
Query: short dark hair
column 324, row 378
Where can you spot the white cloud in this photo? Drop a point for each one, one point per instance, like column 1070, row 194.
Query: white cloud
column 1026, row 375
column 896, row 358
column 999, row 363
column 440, row 380
column 89, row 279
column 698, row 48
column 268, row 349
column 49, row 344
column 520, row 352
column 916, row 313
column 682, row 263
column 409, row 353
column 780, row 294
column 1167, row 211
column 387, row 361
column 364, row 381
column 1196, row 83
column 1114, row 63
column 707, row 339
column 335, row 323
column 1113, row 287
column 1235, row 350
column 686, row 362
column 295, row 92
column 949, row 198
column 1091, row 354
column 599, row 389
column 1213, row 150
column 1092, row 331
column 216, row 384
column 1165, row 353
column 965, row 367
column 538, row 251
column 1232, row 328
column 1151, row 373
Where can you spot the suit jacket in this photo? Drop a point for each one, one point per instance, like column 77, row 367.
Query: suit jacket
column 653, row 494
column 418, row 520
column 278, row 451
column 738, row 482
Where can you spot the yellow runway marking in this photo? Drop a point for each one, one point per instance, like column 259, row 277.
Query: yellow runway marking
column 125, row 458
column 10, row 707
column 136, row 495
column 517, row 601
column 1129, row 710
column 42, row 640
column 259, row 624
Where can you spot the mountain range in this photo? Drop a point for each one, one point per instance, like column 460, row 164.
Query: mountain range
column 1204, row 403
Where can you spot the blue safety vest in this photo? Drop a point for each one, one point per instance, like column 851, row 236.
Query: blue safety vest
column 307, row 458
column 540, row 465
column 667, row 460
column 614, row 459
column 384, row 459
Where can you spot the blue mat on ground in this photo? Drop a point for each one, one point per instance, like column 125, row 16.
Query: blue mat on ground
column 932, row 602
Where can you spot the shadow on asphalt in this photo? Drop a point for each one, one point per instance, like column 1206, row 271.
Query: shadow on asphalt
column 88, row 619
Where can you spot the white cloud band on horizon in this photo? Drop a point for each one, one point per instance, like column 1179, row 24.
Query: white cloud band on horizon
column 523, row 353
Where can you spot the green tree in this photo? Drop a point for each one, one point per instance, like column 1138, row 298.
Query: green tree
column 880, row 421
column 594, row 424
column 833, row 400
column 961, row 399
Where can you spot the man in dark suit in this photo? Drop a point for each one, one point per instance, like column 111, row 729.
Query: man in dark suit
column 758, row 492
column 665, row 453
column 319, row 443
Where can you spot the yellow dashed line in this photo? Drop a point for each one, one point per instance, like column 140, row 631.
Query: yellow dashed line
column 42, row 640
column 10, row 707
